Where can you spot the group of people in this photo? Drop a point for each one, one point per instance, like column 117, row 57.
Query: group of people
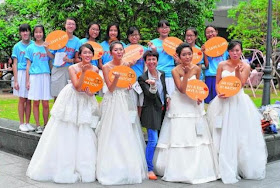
column 85, row 141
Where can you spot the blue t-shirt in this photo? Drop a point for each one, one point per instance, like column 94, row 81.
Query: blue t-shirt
column 140, row 64
column 19, row 50
column 165, row 62
column 39, row 59
column 213, row 64
column 70, row 49
column 106, row 48
column 83, row 41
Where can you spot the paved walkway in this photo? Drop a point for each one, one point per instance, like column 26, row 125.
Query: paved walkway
column 13, row 168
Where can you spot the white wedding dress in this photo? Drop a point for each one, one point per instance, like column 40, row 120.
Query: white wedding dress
column 66, row 152
column 181, row 155
column 236, row 129
column 121, row 146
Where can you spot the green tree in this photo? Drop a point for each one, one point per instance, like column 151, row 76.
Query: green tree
column 250, row 24
column 12, row 14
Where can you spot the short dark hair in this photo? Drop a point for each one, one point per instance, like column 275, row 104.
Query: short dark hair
column 181, row 47
column 24, row 27
column 108, row 29
column 86, row 45
column 43, row 29
column 234, row 43
column 163, row 22
column 150, row 53
column 210, row 26
column 192, row 29
column 89, row 25
column 71, row 18
column 113, row 44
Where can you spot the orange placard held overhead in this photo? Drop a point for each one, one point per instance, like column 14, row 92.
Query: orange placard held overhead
column 197, row 89
column 197, row 55
column 170, row 44
column 98, row 50
column 92, row 80
column 57, row 39
column 127, row 76
column 229, row 86
column 133, row 53
column 215, row 46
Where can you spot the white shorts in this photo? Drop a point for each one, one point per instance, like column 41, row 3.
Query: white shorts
column 40, row 87
column 22, row 92
column 170, row 85
column 59, row 79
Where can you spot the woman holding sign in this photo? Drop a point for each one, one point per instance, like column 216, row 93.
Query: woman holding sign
column 66, row 152
column 184, row 150
column 121, row 155
column 92, row 34
column 165, row 62
column 236, row 123
column 211, row 64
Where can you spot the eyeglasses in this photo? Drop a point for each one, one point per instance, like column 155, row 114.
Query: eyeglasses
column 134, row 35
column 190, row 35
column 210, row 32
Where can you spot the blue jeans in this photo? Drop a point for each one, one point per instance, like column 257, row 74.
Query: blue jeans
column 151, row 146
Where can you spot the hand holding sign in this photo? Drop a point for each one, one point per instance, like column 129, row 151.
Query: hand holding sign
column 98, row 50
column 170, row 44
column 57, row 39
column 229, row 86
column 197, row 90
column 92, row 81
column 127, row 76
column 215, row 46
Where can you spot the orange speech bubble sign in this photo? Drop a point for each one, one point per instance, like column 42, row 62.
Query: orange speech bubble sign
column 92, row 80
column 197, row 55
column 98, row 50
column 133, row 53
column 127, row 76
column 229, row 86
column 216, row 46
column 170, row 44
column 57, row 39
column 197, row 89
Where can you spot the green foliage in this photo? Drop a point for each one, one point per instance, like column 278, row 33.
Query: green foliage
column 142, row 13
column 250, row 23
column 12, row 14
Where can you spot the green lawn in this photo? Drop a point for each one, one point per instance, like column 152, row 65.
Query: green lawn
column 8, row 105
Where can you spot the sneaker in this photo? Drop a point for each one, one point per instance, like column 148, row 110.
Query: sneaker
column 30, row 128
column 39, row 130
column 23, row 128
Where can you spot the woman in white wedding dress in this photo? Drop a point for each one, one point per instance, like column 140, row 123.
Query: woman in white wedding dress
column 121, row 146
column 183, row 154
column 236, row 125
column 66, row 152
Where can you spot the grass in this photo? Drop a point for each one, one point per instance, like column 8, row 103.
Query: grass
column 8, row 104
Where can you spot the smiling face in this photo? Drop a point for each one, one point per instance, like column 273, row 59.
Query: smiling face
column 86, row 55
column 70, row 26
column 25, row 35
column 113, row 32
column 94, row 31
column 164, row 30
column 117, row 51
column 186, row 56
column 151, row 63
column 134, row 37
column 235, row 52
column 210, row 32
column 38, row 34
column 190, row 37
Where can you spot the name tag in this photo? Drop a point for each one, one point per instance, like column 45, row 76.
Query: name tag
column 218, row 122
column 199, row 127
column 137, row 88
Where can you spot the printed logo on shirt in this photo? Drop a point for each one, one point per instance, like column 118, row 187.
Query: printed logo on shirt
column 69, row 49
column 22, row 53
column 41, row 56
